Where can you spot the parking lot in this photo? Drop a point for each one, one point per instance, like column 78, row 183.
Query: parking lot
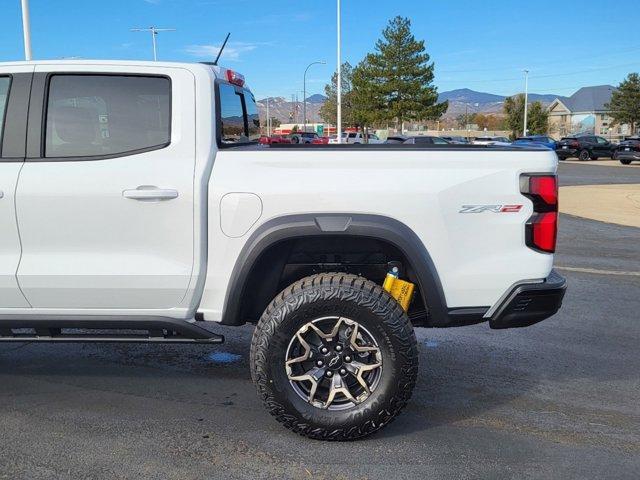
column 556, row 400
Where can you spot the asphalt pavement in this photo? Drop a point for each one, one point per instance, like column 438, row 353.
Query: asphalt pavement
column 584, row 173
column 556, row 400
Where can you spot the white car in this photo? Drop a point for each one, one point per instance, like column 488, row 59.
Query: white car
column 136, row 205
column 355, row 138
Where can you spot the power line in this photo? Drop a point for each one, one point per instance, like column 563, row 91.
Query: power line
column 552, row 75
column 574, row 58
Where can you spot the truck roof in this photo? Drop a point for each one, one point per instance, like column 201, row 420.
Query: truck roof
column 219, row 72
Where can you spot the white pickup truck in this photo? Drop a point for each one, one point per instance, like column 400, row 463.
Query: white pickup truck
column 134, row 198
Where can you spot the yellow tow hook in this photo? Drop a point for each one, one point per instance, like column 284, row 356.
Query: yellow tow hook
column 401, row 290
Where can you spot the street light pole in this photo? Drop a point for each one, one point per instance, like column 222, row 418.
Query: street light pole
column 268, row 120
column 466, row 119
column 526, row 101
column 304, row 93
column 154, row 32
column 26, row 30
column 339, row 81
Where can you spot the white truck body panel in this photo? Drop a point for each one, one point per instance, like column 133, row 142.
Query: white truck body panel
column 10, row 294
column 112, row 251
column 478, row 256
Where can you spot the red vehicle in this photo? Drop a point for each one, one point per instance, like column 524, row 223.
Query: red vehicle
column 320, row 141
column 274, row 139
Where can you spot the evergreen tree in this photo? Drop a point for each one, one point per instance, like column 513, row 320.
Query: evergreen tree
column 396, row 80
column 625, row 102
column 329, row 111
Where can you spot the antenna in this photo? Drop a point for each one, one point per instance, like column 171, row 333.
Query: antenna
column 154, row 31
column 222, row 49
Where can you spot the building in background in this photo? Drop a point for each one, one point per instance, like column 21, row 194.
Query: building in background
column 585, row 112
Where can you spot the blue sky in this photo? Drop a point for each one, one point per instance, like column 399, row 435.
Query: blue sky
column 484, row 46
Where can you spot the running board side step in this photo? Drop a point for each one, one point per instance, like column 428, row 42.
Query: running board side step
column 105, row 330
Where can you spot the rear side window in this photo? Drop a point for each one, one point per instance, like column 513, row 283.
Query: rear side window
column 239, row 118
column 103, row 115
column 253, row 117
column 5, row 82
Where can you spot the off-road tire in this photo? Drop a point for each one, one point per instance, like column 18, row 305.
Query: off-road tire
column 342, row 295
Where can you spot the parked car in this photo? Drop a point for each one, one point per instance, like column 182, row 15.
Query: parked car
column 497, row 141
column 273, row 139
column 146, row 215
column 584, row 147
column 355, row 138
column 534, row 140
column 426, row 140
column 303, row 137
column 628, row 151
column 457, row 140
column 320, row 141
column 395, row 139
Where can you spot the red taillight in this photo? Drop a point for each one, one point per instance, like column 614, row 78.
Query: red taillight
column 575, row 144
column 542, row 227
column 545, row 187
column 235, row 78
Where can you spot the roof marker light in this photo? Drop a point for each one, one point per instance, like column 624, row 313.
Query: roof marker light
column 235, row 78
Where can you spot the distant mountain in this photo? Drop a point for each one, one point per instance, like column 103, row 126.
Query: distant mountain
column 317, row 98
column 291, row 112
column 460, row 101
column 464, row 95
column 464, row 99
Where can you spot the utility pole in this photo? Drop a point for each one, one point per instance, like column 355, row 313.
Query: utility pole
column 526, row 101
column 304, row 93
column 268, row 120
column 26, row 30
column 466, row 119
column 339, row 82
column 154, row 32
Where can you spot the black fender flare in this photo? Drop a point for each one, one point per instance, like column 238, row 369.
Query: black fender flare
column 360, row 225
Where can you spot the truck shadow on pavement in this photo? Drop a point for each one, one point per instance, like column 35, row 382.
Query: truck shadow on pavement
column 456, row 382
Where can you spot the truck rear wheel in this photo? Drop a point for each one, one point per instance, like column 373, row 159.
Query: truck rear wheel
column 334, row 357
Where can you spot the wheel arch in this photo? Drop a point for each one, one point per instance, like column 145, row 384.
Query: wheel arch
column 377, row 227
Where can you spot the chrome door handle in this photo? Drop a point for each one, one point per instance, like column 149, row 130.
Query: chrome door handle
column 150, row 193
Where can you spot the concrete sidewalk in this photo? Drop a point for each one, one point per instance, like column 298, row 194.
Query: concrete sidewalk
column 618, row 204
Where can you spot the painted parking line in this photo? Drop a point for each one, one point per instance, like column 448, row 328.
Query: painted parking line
column 599, row 272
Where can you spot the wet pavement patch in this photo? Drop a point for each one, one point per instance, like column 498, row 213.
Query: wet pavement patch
column 224, row 357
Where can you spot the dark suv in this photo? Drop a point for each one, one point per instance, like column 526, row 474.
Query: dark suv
column 585, row 147
column 628, row 150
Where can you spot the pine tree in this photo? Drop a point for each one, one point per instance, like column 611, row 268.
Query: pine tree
column 328, row 111
column 625, row 102
column 396, row 80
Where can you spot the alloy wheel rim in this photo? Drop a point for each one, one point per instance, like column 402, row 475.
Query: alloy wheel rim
column 333, row 363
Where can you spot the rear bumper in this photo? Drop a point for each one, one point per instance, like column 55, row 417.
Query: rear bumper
column 622, row 155
column 566, row 152
column 530, row 303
